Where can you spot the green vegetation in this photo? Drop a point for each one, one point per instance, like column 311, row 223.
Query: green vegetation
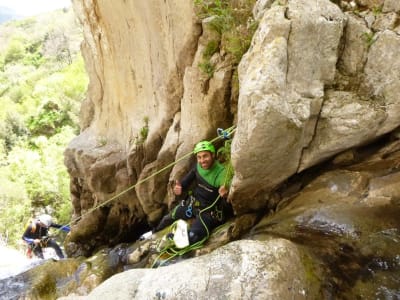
column 224, row 156
column 206, row 66
column 141, row 137
column 234, row 22
column 369, row 38
column 42, row 84
column 377, row 10
column 144, row 131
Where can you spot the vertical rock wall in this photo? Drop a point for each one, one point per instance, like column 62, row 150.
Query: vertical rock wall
column 148, row 103
column 320, row 77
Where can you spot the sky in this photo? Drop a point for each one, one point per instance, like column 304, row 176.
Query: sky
column 34, row 7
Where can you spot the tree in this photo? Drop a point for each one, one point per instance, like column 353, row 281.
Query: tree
column 14, row 52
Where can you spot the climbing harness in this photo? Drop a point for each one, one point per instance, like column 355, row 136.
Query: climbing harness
column 170, row 250
column 220, row 134
column 44, row 241
column 217, row 214
column 31, row 248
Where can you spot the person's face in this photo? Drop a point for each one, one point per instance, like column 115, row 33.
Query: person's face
column 205, row 159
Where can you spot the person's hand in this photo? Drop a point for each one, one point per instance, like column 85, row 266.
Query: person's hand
column 36, row 241
column 223, row 191
column 177, row 188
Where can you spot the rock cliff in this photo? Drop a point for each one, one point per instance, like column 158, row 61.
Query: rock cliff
column 320, row 77
column 316, row 151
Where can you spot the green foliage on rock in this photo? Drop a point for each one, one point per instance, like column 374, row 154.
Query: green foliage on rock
column 224, row 156
column 42, row 84
column 234, row 22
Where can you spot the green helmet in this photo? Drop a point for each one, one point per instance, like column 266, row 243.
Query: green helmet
column 204, row 146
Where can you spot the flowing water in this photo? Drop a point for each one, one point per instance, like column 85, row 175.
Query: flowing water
column 354, row 254
column 12, row 262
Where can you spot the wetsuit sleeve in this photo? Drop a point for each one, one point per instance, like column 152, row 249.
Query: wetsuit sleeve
column 27, row 237
column 65, row 228
column 188, row 178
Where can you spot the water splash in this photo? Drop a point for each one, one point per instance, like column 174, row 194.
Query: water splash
column 13, row 262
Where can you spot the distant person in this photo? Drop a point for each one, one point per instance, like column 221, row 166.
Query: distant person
column 207, row 206
column 36, row 235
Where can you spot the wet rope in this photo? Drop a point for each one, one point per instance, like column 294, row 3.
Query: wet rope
column 171, row 251
column 221, row 134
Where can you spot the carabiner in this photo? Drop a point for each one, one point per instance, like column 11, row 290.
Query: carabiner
column 189, row 211
column 223, row 133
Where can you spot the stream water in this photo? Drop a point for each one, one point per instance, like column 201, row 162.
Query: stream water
column 348, row 253
column 12, row 262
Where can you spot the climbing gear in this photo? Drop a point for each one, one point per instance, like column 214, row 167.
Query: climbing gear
column 204, row 146
column 217, row 214
column 43, row 241
column 189, row 211
column 170, row 251
column 165, row 243
column 225, row 134
column 45, row 220
column 146, row 236
column 192, row 203
column 229, row 131
column 180, row 233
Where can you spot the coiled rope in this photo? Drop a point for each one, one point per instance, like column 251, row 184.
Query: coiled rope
column 172, row 251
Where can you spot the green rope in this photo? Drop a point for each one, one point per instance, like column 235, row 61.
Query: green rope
column 189, row 248
column 200, row 243
column 229, row 132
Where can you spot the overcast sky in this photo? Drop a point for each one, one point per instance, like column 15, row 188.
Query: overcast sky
column 34, row 7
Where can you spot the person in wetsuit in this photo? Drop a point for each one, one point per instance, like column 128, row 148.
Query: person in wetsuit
column 207, row 205
column 36, row 236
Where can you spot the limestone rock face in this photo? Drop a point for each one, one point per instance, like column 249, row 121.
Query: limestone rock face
column 148, row 103
column 240, row 270
column 316, row 81
column 339, row 230
column 391, row 5
column 282, row 78
column 136, row 53
column 321, row 77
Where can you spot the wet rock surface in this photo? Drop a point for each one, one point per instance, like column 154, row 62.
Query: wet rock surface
column 299, row 105
column 240, row 270
column 347, row 223
column 341, row 223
